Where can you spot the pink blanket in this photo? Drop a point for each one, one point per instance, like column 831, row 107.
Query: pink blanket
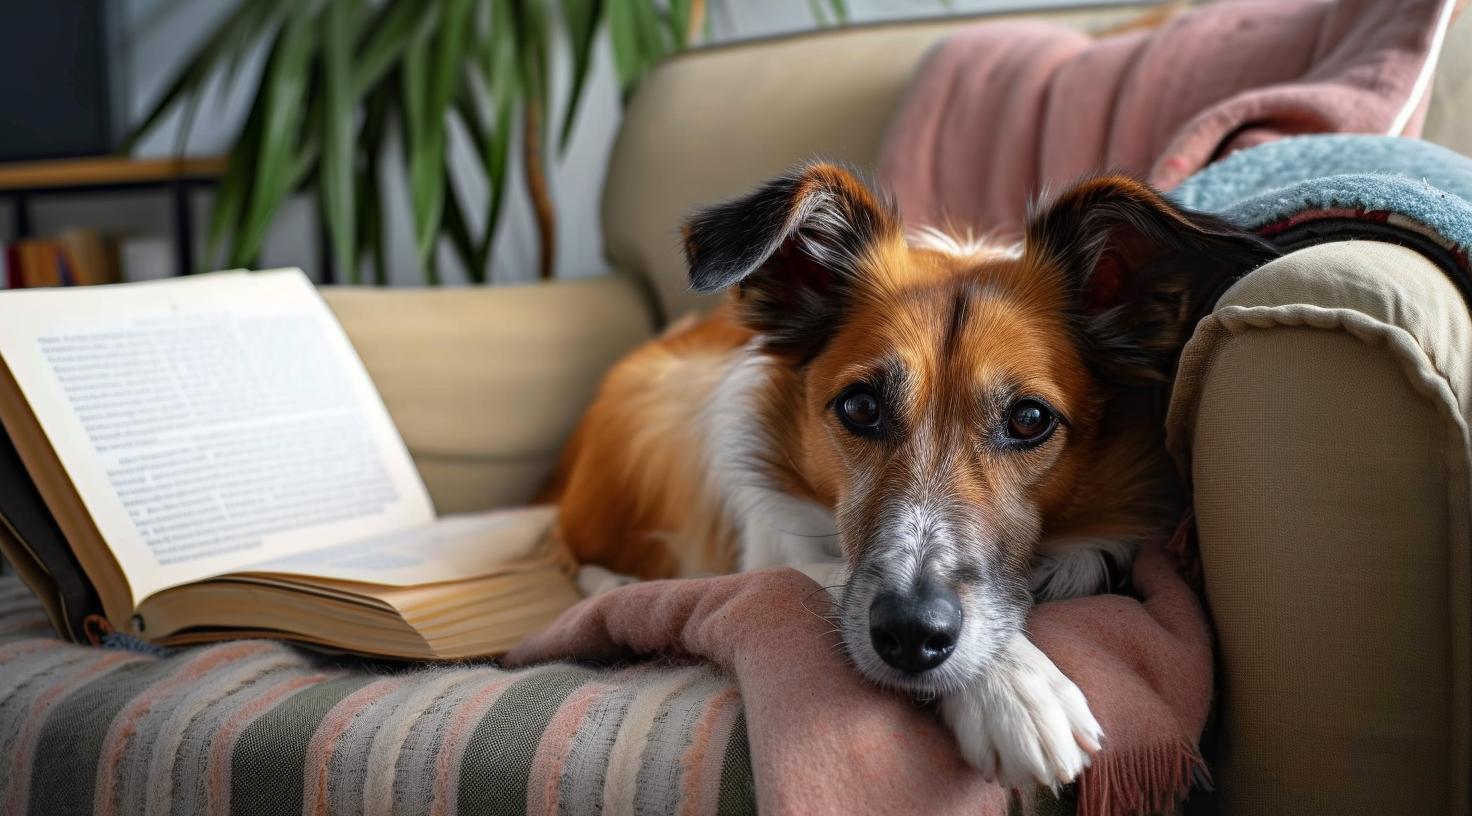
column 1006, row 110
column 823, row 740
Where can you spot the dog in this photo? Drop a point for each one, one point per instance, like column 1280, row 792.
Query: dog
column 943, row 430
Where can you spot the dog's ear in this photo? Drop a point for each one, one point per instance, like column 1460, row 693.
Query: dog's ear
column 793, row 249
column 1138, row 270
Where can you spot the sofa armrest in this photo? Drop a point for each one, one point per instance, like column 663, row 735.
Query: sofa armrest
column 1321, row 412
column 485, row 384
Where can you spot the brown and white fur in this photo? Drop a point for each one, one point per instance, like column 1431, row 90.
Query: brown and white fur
column 1015, row 451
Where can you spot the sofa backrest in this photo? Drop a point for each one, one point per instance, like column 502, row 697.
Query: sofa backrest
column 711, row 123
column 486, row 383
column 1449, row 114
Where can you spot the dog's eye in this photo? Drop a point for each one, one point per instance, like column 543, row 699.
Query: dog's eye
column 1030, row 421
column 858, row 408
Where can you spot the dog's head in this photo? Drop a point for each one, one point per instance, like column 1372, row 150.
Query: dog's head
column 947, row 399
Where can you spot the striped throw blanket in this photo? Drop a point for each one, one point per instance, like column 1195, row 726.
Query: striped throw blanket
column 259, row 727
column 251, row 727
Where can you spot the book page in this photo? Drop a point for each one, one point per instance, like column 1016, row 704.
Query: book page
column 454, row 548
column 212, row 422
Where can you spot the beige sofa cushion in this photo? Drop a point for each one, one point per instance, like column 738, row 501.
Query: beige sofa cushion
column 1322, row 412
column 486, row 384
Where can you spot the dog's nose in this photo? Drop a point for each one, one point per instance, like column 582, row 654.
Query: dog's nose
column 915, row 632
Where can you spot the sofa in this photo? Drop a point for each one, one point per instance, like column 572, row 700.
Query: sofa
column 1321, row 416
column 1324, row 429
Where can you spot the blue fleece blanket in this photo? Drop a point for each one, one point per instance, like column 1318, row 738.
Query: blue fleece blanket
column 1314, row 189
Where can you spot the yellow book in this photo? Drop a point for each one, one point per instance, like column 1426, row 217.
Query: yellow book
column 40, row 262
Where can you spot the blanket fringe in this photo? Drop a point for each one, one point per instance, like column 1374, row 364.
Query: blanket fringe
column 1185, row 554
column 1146, row 781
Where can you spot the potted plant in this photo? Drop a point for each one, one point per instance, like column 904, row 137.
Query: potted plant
column 340, row 74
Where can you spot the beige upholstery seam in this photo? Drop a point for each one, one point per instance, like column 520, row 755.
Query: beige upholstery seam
column 421, row 454
column 859, row 28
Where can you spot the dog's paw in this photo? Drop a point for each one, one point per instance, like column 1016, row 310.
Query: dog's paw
column 595, row 580
column 1022, row 722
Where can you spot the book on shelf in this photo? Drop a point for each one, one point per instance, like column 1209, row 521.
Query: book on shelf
column 75, row 257
column 90, row 257
column 13, row 274
column 40, row 261
column 206, row 458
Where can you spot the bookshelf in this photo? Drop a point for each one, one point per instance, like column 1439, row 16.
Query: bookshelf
column 21, row 182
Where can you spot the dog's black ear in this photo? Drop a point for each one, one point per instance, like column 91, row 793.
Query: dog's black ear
column 1138, row 270
column 794, row 250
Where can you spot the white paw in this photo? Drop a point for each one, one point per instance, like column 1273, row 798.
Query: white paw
column 595, row 580
column 1022, row 722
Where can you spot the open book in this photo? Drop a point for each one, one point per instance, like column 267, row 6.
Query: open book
column 207, row 458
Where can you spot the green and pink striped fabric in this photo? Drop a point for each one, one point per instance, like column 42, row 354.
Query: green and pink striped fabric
column 260, row 727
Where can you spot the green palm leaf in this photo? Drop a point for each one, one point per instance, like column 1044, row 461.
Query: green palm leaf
column 431, row 73
column 338, row 147
column 582, row 18
column 334, row 63
column 286, row 88
column 396, row 25
column 234, row 189
column 457, row 229
column 380, row 106
column 628, row 54
column 234, row 35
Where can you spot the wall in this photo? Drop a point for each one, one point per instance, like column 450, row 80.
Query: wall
column 152, row 38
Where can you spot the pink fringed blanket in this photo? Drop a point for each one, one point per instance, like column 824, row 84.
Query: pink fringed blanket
column 1003, row 111
column 823, row 740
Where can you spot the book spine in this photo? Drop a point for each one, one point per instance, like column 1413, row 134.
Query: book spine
column 13, row 278
column 65, row 276
column 41, row 263
column 92, row 258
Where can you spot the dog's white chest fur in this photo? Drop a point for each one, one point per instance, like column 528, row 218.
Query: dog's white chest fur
column 772, row 527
